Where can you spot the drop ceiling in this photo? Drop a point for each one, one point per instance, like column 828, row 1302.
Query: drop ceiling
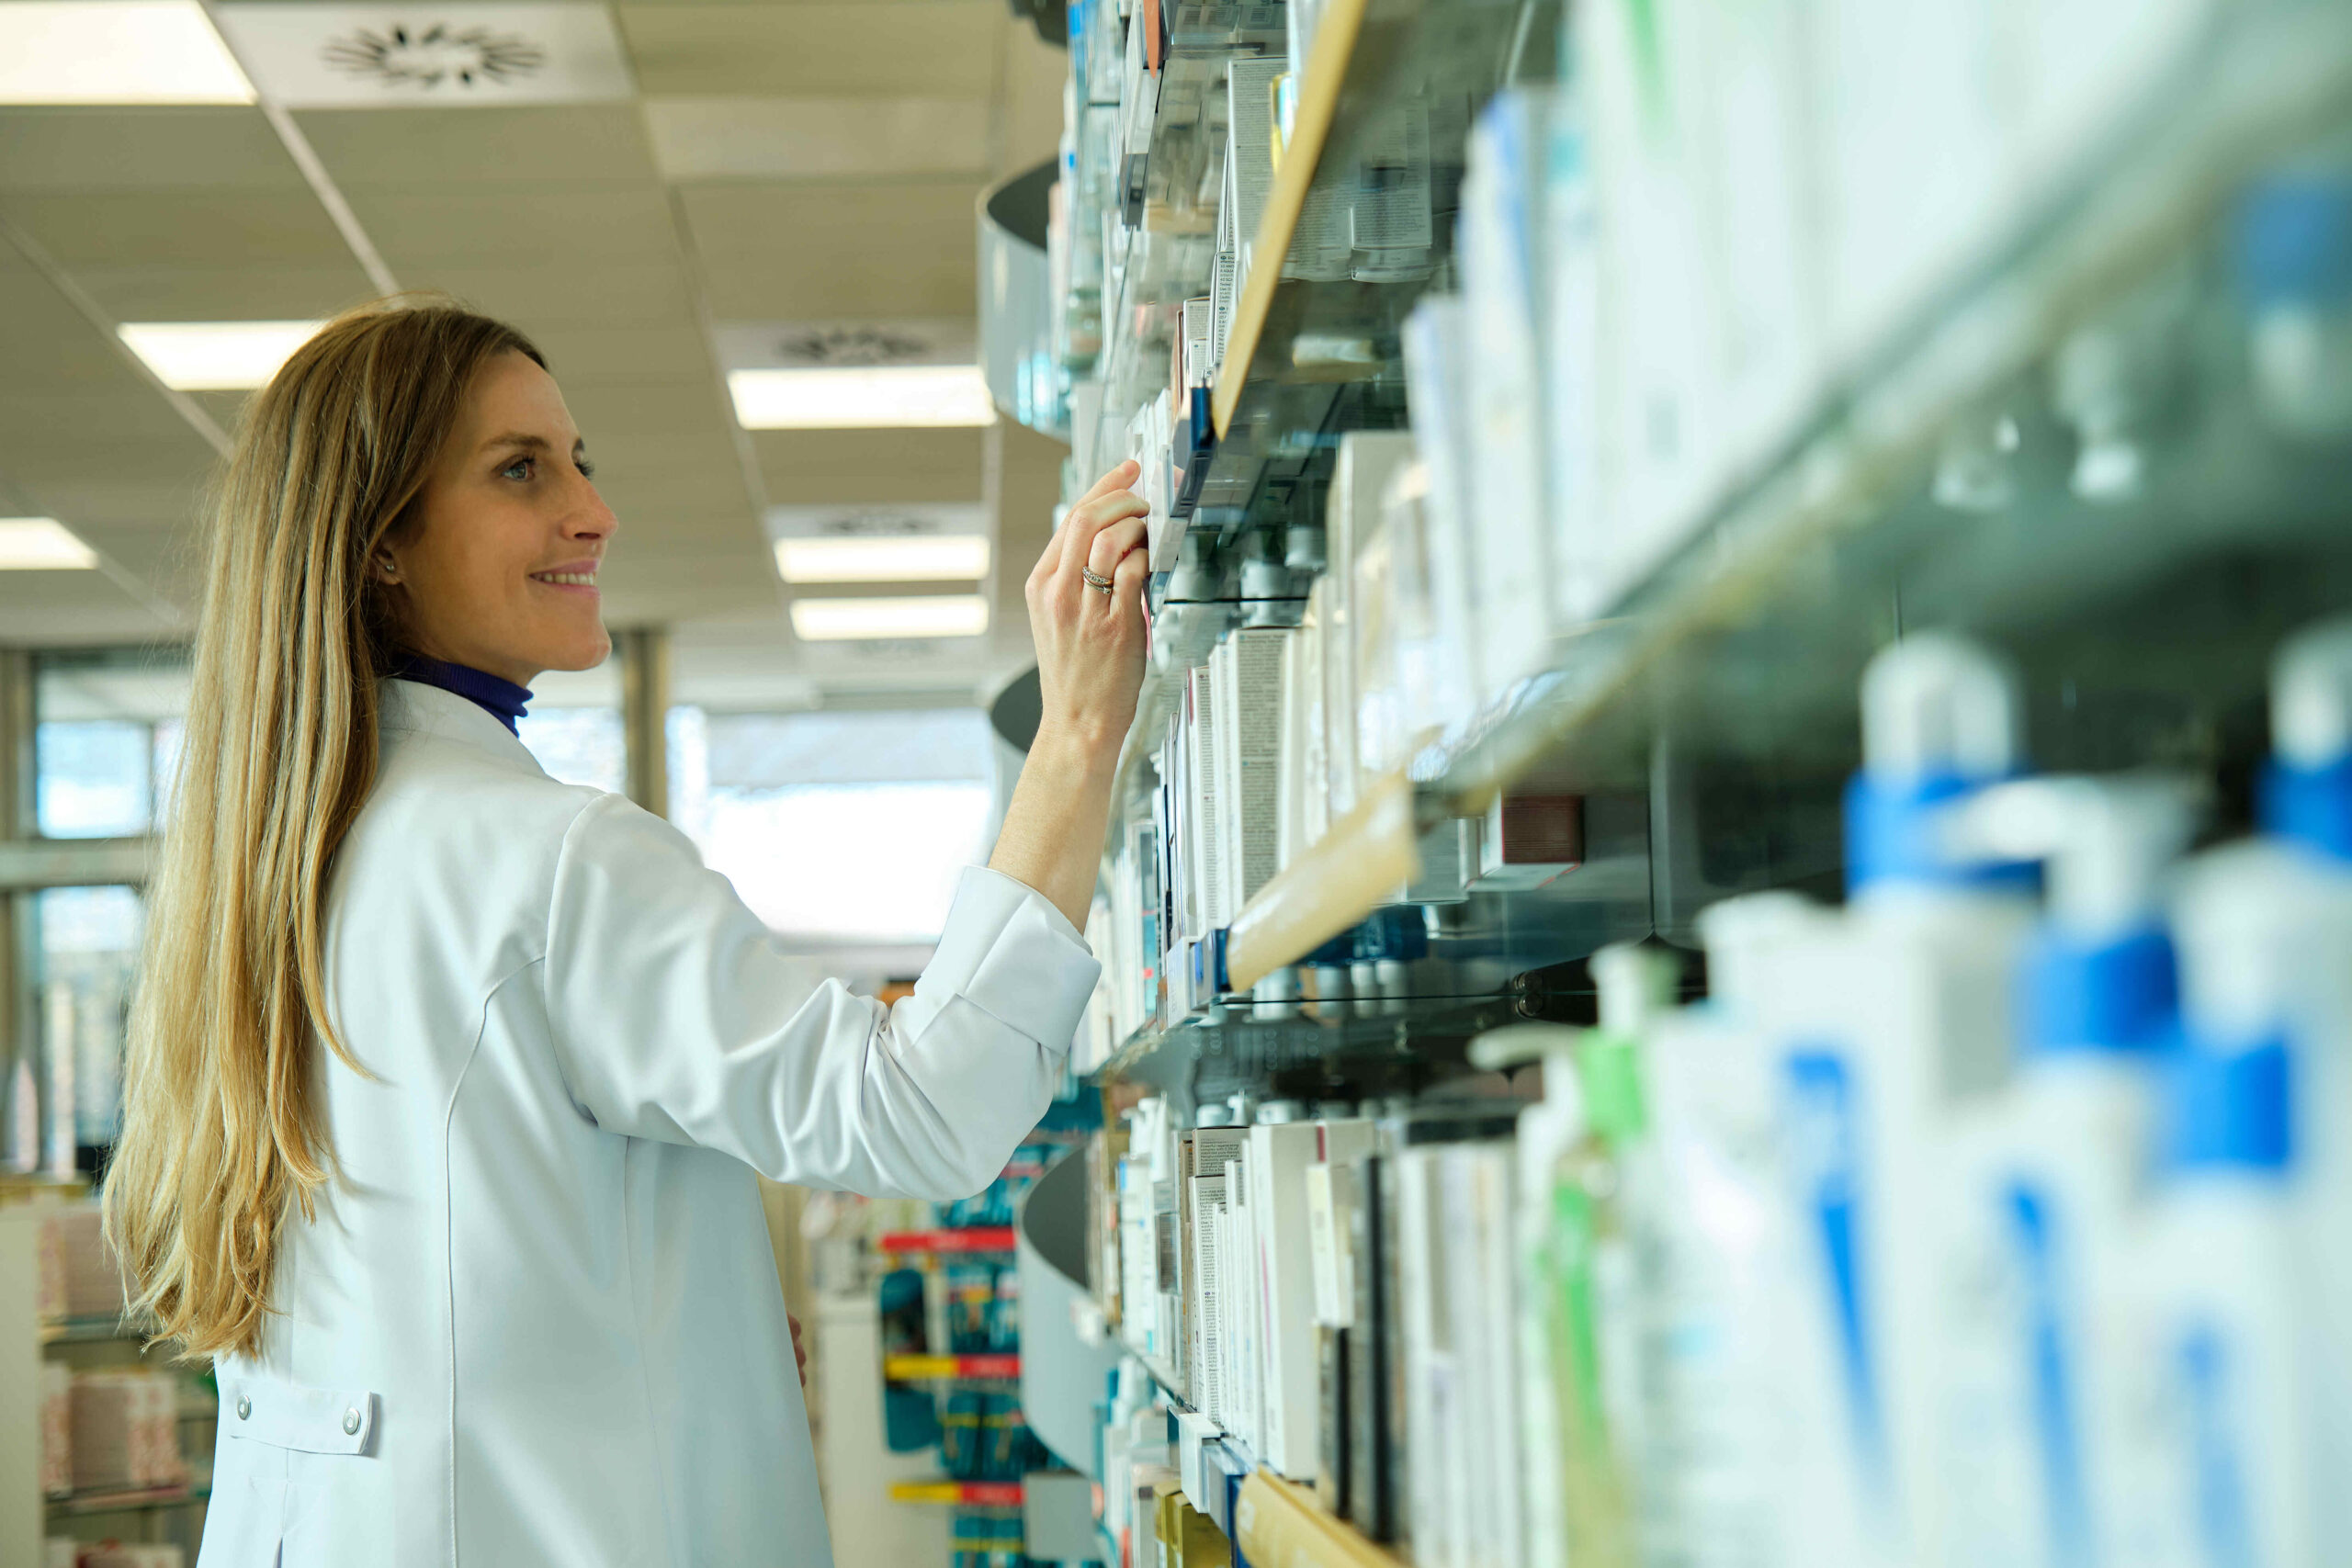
column 764, row 162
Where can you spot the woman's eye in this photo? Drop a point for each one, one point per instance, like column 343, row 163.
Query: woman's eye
column 520, row 468
column 587, row 470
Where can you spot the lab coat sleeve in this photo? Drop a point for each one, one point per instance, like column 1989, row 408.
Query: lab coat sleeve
column 674, row 1017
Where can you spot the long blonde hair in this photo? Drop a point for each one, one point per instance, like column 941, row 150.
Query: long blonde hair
column 222, row 1131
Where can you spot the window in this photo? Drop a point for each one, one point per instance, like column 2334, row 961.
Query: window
column 88, row 947
column 107, row 737
column 838, row 826
column 574, row 726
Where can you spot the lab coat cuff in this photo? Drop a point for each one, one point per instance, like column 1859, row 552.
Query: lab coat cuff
column 1011, row 955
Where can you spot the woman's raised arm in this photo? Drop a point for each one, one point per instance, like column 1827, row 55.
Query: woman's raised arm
column 1090, row 667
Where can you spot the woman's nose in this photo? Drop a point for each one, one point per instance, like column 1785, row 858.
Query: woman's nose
column 591, row 519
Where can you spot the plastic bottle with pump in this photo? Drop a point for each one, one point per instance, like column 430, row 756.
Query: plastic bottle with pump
column 2046, row 1455
column 2225, row 1340
column 2276, row 915
column 1581, row 1202
column 1893, row 1018
column 1726, row 1399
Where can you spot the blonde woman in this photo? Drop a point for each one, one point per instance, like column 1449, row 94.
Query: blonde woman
column 448, row 1081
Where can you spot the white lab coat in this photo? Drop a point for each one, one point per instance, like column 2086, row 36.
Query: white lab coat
column 536, row 1320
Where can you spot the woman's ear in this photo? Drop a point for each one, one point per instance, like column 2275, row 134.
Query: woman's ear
column 383, row 568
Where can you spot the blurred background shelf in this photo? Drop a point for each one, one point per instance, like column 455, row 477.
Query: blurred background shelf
column 970, row 1239
column 958, row 1494
column 915, row 1368
column 142, row 1500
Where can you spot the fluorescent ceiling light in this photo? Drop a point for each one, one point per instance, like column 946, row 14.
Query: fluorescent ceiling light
column 115, row 51
column 934, row 557
column 214, row 356
column 838, row 620
column 42, row 544
column 880, row 397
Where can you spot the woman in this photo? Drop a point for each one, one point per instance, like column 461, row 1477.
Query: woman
column 448, row 1081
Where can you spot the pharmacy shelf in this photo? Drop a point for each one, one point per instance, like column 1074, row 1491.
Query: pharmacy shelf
column 1229, row 1049
column 1483, row 960
column 1276, row 1521
column 968, row 1238
column 925, row 1369
column 1295, row 335
column 2142, row 622
column 1336, row 29
column 958, row 1494
column 1366, row 857
column 1279, row 1522
column 1749, row 638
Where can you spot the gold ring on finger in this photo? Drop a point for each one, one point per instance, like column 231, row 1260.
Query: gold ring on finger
column 1095, row 581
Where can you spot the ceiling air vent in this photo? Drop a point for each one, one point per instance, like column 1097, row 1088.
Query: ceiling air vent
column 435, row 55
column 446, row 56
column 852, row 345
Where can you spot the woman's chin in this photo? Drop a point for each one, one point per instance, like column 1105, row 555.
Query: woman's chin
column 583, row 654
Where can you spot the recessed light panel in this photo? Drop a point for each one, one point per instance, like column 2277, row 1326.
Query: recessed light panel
column 862, row 398
column 841, row 620
column 115, row 51
column 42, row 544
column 940, row 557
column 215, row 357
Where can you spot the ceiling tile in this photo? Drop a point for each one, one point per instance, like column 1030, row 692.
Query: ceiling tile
column 63, row 609
column 649, row 473
column 152, row 506
column 584, row 353
column 423, row 225
column 913, row 46
column 614, row 410
column 701, row 139
column 661, row 527
column 62, row 436
column 213, row 229
column 816, row 252
column 554, row 144
column 84, row 149
column 545, row 297
column 48, row 346
column 163, row 293
column 805, row 467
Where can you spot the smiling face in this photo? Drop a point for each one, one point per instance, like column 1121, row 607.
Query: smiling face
column 499, row 572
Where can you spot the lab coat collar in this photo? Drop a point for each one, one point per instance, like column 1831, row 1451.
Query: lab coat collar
column 411, row 707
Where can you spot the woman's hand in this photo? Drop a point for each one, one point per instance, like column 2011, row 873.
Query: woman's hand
column 1091, row 643
column 1090, row 668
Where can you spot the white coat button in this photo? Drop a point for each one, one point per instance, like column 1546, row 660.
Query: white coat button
column 351, row 1423
column 245, row 1408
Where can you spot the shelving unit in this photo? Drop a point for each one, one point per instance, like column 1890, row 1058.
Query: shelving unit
column 1281, row 1524
column 2061, row 428
column 1745, row 642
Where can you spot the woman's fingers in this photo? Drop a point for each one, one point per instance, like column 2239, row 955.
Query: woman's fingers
column 1126, row 582
column 1056, row 548
column 1119, row 478
column 1086, row 523
column 1113, row 544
